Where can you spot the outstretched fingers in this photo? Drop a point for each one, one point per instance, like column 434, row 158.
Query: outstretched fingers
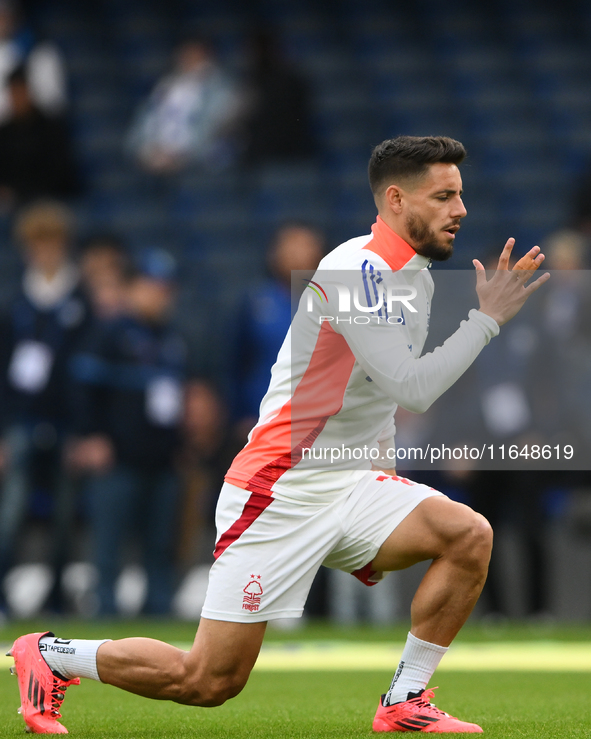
column 506, row 254
column 530, row 261
column 480, row 272
column 537, row 284
column 502, row 296
column 527, row 260
column 524, row 272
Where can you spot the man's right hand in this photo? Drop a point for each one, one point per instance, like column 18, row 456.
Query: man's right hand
column 503, row 295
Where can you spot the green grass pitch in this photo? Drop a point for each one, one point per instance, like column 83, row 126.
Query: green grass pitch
column 319, row 704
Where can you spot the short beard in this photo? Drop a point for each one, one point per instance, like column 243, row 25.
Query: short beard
column 425, row 240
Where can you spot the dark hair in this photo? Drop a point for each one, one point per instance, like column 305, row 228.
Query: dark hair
column 408, row 157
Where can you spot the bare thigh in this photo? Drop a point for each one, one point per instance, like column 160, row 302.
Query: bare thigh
column 426, row 533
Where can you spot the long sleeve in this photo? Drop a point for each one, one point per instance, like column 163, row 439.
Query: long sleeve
column 415, row 383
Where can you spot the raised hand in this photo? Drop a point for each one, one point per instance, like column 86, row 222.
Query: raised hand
column 503, row 295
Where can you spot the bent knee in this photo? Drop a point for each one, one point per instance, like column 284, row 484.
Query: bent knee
column 211, row 692
column 474, row 538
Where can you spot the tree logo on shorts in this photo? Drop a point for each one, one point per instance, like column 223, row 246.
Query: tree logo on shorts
column 252, row 600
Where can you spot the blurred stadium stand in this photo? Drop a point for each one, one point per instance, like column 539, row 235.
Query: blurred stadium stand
column 510, row 79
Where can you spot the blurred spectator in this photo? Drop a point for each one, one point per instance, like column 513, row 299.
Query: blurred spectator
column 506, row 386
column 206, row 455
column 38, row 335
column 566, row 249
column 566, row 319
column 127, row 394
column 104, row 268
column 35, row 154
column 529, row 394
column 42, row 62
column 265, row 316
column 278, row 124
column 189, row 117
column 515, row 501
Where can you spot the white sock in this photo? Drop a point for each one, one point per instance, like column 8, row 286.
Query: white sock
column 71, row 657
column 418, row 662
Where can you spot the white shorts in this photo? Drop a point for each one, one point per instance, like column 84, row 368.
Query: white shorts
column 269, row 549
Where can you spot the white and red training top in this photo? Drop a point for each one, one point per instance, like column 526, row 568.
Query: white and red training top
column 344, row 368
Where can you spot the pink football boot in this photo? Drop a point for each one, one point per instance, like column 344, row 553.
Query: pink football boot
column 419, row 714
column 42, row 692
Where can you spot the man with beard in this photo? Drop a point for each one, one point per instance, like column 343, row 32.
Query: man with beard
column 288, row 506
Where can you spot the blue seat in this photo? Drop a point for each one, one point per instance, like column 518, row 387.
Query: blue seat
column 376, row 35
column 531, row 209
column 431, row 122
column 458, row 31
column 197, row 195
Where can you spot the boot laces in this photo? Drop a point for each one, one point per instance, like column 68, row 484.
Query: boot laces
column 424, row 701
column 57, row 697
